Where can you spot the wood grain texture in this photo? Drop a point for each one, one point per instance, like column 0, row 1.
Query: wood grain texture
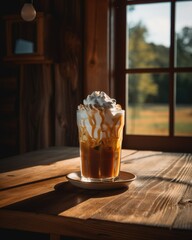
column 37, row 166
column 36, row 92
column 96, row 46
column 157, row 205
column 8, row 119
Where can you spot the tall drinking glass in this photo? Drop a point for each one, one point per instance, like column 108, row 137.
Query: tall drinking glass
column 100, row 139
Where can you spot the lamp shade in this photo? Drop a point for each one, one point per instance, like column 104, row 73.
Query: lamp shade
column 28, row 12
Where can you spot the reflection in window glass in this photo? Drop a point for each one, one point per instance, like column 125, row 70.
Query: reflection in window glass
column 183, row 34
column 147, row 104
column 183, row 112
column 148, row 35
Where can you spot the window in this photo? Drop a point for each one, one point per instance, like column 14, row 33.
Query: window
column 154, row 73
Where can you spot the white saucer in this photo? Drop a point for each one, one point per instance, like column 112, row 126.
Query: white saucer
column 124, row 179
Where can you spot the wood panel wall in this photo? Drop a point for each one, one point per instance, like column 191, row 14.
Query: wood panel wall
column 9, row 115
column 96, row 45
column 50, row 93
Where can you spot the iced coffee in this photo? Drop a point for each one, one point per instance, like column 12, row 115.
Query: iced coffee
column 100, row 125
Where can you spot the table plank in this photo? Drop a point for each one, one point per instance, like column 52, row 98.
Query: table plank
column 148, row 197
column 38, row 165
column 38, row 157
column 87, row 229
column 157, row 205
column 155, row 202
column 184, row 216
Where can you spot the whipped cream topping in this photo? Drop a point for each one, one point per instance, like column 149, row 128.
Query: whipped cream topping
column 99, row 99
column 100, row 119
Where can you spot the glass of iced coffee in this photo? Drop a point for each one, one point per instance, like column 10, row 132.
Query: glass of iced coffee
column 100, row 124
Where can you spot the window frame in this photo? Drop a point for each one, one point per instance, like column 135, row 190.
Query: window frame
column 147, row 142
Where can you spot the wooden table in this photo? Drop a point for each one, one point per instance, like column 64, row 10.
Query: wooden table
column 36, row 196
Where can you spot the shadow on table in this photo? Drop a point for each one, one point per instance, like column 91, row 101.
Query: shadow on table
column 64, row 197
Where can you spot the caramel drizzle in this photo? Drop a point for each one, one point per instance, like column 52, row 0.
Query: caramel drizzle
column 111, row 132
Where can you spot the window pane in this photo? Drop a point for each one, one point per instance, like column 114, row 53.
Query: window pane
column 148, row 35
column 184, row 34
column 183, row 112
column 147, row 104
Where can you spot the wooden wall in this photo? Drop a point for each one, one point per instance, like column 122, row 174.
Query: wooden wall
column 97, row 46
column 48, row 94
